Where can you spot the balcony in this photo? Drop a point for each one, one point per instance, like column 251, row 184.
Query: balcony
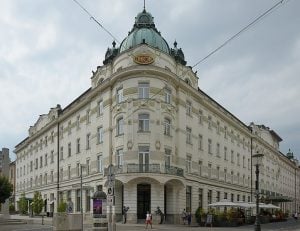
column 154, row 168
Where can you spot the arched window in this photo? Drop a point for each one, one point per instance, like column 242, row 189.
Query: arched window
column 120, row 123
column 167, row 126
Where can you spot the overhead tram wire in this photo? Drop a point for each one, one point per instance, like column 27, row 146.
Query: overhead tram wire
column 96, row 21
column 269, row 11
column 93, row 18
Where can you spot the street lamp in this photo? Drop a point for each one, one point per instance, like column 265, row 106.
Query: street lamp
column 257, row 161
column 81, row 210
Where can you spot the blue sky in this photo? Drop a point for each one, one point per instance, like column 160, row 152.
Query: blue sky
column 49, row 49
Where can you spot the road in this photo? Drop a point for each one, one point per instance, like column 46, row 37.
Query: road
column 290, row 225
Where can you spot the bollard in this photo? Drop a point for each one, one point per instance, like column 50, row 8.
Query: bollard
column 42, row 219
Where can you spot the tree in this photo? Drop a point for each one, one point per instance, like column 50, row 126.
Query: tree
column 62, row 207
column 37, row 203
column 23, row 204
column 6, row 189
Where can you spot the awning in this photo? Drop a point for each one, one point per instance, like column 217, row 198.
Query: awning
column 224, row 203
column 280, row 199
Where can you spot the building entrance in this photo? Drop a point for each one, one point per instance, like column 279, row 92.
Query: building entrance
column 143, row 200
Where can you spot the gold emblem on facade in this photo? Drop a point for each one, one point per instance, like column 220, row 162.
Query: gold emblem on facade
column 143, row 59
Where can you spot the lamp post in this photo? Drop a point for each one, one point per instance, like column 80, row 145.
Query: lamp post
column 81, row 210
column 257, row 161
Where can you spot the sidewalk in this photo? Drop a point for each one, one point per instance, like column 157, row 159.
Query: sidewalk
column 33, row 220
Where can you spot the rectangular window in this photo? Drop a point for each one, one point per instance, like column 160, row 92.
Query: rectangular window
column 69, row 172
column 88, row 136
column 46, row 179
column 209, row 196
column 78, row 200
column 209, row 170
column 46, row 159
column 209, row 146
column 87, row 167
column 61, row 132
column 188, row 135
column 100, row 135
column 52, row 157
column 218, row 150
column 99, row 163
column 36, row 164
column 238, row 159
column 200, row 141
column 232, row 156
column 167, row 158
column 200, row 204
column 120, row 95
column 61, row 154
column 46, row 140
column 188, row 198
column 218, row 196
column 70, row 127
column 88, row 116
column 143, row 122
column 232, row 197
column 167, row 127
column 51, row 176
column 100, row 108
column 188, row 108
column 119, row 157
column 225, row 195
column 78, row 169
column 69, row 150
column 209, row 122
column 167, row 95
column 188, row 164
column 61, row 174
column 200, row 117
column 87, row 200
column 52, row 137
column 120, row 124
column 225, row 153
column 78, row 145
column 244, row 162
column 78, row 122
column 41, row 163
column 143, row 90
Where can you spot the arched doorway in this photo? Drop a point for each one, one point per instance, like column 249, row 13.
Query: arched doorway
column 143, row 200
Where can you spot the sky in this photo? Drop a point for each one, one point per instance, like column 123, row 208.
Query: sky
column 48, row 50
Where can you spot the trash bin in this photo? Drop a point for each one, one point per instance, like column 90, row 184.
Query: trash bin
column 48, row 214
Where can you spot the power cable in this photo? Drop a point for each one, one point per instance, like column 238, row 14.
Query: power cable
column 96, row 21
column 270, row 10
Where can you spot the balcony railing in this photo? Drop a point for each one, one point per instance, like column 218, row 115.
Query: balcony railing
column 174, row 170
column 154, row 168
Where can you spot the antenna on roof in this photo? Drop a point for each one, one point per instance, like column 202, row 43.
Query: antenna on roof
column 144, row 5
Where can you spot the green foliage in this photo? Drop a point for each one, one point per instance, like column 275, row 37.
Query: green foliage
column 12, row 208
column 6, row 189
column 37, row 203
column 62, row 207
column 23, row 204
column 199, row 214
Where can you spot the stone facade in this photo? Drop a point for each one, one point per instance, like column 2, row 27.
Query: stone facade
column 171, row 145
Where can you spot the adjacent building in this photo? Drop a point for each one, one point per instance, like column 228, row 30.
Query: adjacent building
column 171, row 144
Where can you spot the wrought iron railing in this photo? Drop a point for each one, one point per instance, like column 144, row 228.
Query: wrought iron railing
column 152, row 168
column 174, row 170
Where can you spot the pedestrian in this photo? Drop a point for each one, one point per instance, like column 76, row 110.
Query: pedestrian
column 189, row 218
column 125, row 210
column 183, row 216
column 148, row 220
column 296, row 216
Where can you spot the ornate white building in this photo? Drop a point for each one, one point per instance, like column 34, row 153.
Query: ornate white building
column 171, row 144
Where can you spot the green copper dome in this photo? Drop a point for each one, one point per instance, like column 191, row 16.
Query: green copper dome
column 144, row 32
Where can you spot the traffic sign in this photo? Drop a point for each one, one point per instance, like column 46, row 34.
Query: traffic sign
column 110, row 191
column 110, row 200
